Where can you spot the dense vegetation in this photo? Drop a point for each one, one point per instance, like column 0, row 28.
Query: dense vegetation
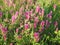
column 29, row 22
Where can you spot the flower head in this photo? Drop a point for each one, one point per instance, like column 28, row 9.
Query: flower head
column 54, row 6
column 42, row 13
column 55, row 23
column 17, row 30
column 37, row 9
column 35, row 25
column 13, row 18
column 50, row 15
column 11, row 43
column 36, row 36
column 47, row 23
column 36, row 20
column 0, row 14
column 27, row 15
column 42, row 23
column 26, row 26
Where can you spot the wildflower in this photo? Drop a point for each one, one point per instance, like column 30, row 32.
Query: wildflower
column 42, row 23
column 37, row 9
column 55, row 23
column 26, row 26
column 0, row 14
column 42, row 13
column 47, row 23
column 30, row 12
column 27, row 15
column 17, row 30
column 4, row 30
column 54, row 6
column 21, row 10
column 16, row 14
column 50, row 15
column 4, row 37
column 35, row 25
column 36, row 20
column 11, row 43
column 57, row 29
column 36, row 36
column 13, row 18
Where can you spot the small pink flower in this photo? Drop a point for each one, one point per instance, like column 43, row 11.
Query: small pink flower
column 55, row 23
column 54, row 6
column 36, row 20
column 13, row 18
column 0, row 14
column 26, row 26
column 4, row 37
column 36, row 36
column 11, row 43
column 47, row 23
column 42, row 12
column 35, row 25
column 42, row 23
column 17, row 30
column 57, row 29
column 30, row 12
column 50, row 15
column 37, row 9
column 21, row 10
column 27, row 15
column 4, row 30
column 16, row 14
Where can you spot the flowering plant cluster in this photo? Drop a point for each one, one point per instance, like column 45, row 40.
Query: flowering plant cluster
column 29, row 22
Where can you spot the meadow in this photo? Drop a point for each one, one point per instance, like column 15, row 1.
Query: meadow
column 29, row 22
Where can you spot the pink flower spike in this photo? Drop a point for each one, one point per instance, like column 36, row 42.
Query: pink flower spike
column 42, row 12
column 13, row 18
column 50, row 15
column 0, row 14
column 21, row 10
column 35, row 25
column 37, row 9
column 36, row 20
column 11, row 43
column 4, row 29
column 4, row 37
column 26, row 26
column 54, row 6
column 16, row 14
column 36, row 36
column 27, row 15
column 42, row 23
column 17, row 30
column 55, row 23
